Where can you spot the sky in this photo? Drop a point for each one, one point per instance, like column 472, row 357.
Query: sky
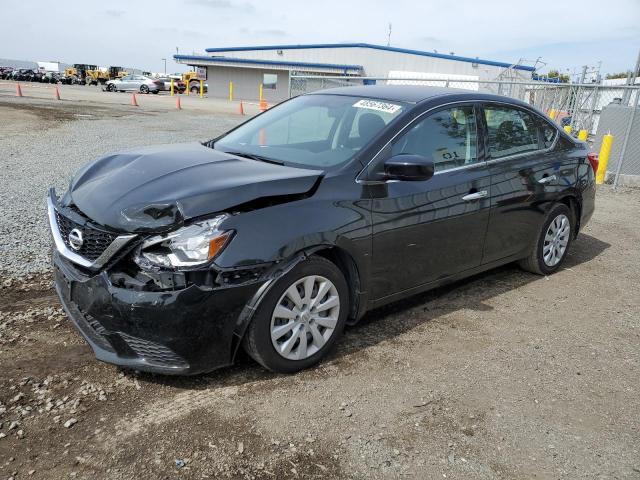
column 567, row 35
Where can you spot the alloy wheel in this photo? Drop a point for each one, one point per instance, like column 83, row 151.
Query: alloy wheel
column 556, row 240
column 305, row 317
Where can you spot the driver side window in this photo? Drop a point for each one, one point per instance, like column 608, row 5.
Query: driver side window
column 447, row 137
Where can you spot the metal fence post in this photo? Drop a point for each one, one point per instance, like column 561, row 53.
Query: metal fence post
column 594, row 103
column 627, row 134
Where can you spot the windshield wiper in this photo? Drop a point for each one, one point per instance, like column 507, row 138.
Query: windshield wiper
column 256, row 157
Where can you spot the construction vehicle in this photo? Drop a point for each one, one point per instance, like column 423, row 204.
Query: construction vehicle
column 97, row 76
column 79, row 73
column 116, row 72
column 193, row 82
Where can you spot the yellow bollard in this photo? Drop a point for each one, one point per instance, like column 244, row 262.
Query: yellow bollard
column 603, row 157
column 231, row 91
column 172, row 87
column 261, row 88
column 568, row 129
column 552, row 114
column 582, row 135
column 201, row 88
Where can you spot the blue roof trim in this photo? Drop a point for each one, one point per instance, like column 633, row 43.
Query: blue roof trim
column 375, row 47
column 335, row 66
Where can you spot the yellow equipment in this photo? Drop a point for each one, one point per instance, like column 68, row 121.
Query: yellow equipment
column 191, row 80
column 97, row 76
column 116, row 72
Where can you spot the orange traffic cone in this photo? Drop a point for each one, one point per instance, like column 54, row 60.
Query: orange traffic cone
column 57, row 94
column 18, row 90
column 263, row 105
column 241, row 108
column 134, row 100
column 178, row 105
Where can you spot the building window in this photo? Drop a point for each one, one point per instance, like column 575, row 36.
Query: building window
column 269, row 80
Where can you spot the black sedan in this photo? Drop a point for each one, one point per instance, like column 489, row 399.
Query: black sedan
column 277, row 234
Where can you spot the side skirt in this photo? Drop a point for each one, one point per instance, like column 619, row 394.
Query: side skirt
column 442, row 281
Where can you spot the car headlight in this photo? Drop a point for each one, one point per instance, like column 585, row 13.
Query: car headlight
column 189, row 246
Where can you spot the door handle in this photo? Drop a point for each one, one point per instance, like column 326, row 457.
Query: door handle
column 549, row 179
column 475, row 196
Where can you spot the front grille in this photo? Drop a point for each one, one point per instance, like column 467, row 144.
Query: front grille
column 153, row 353
column 95, row 241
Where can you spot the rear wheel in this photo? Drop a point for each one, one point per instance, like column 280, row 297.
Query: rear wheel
column 111, row 87
column 553, row 242
column 195, row 90
column 301, row 317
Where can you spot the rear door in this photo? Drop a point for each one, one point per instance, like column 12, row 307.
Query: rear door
column 426, row 231
column 526, row 175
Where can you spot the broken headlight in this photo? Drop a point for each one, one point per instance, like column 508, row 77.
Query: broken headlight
column 189, row 246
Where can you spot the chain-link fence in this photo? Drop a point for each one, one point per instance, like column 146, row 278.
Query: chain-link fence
column 578, row 106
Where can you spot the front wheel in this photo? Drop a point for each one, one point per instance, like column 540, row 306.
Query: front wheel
column 301, row 317
column 144, row 89
column 553, row 242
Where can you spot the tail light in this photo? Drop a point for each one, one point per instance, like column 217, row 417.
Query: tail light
column 593, row 160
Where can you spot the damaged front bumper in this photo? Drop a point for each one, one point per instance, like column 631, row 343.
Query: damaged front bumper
column 185, row 331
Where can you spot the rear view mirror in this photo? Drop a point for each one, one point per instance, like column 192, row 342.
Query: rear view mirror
column 408, row 167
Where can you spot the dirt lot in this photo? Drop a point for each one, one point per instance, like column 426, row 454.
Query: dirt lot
column 505, row 375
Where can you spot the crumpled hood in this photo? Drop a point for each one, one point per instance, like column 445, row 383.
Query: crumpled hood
column 156, row 188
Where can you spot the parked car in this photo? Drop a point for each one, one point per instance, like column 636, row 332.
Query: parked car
column 24, row 74
column 277, row 234
column 135, row 83
column 6, row 72
column 51, row 77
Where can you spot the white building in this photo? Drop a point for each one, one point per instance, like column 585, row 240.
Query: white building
column 274, row 65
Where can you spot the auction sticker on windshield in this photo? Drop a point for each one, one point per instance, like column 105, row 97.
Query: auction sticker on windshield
column 375, row 105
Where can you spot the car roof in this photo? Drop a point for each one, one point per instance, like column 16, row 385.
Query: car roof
column 412, row 93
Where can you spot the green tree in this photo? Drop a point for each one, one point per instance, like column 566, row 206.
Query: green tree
column 556, row 74
column 616, row 75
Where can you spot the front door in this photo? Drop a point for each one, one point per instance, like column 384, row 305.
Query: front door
column 425, row 231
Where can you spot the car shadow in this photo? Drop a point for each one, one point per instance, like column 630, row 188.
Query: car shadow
column 389, row 321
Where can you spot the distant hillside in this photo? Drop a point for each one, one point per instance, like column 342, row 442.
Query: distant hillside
column 5, row 62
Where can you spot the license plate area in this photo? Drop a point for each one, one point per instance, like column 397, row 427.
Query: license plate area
column 64, row 285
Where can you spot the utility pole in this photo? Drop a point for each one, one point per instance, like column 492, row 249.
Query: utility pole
column 636, row 71
column 165, row 65
column 584, row 74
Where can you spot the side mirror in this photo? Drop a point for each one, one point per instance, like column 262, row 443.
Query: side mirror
column 408, row 167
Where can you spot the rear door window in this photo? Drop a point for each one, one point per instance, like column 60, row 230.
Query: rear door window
column 510, row 131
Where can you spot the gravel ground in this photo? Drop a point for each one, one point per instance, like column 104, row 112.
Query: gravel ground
column 502, row 376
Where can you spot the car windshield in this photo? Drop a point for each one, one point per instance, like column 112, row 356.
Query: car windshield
column 316, row 131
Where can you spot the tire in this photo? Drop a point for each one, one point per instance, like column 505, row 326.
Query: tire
column 553, row 242
column 111, row 87
column 320, row 328
column 144, row 89
column 195, row 90
column 155, row 92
